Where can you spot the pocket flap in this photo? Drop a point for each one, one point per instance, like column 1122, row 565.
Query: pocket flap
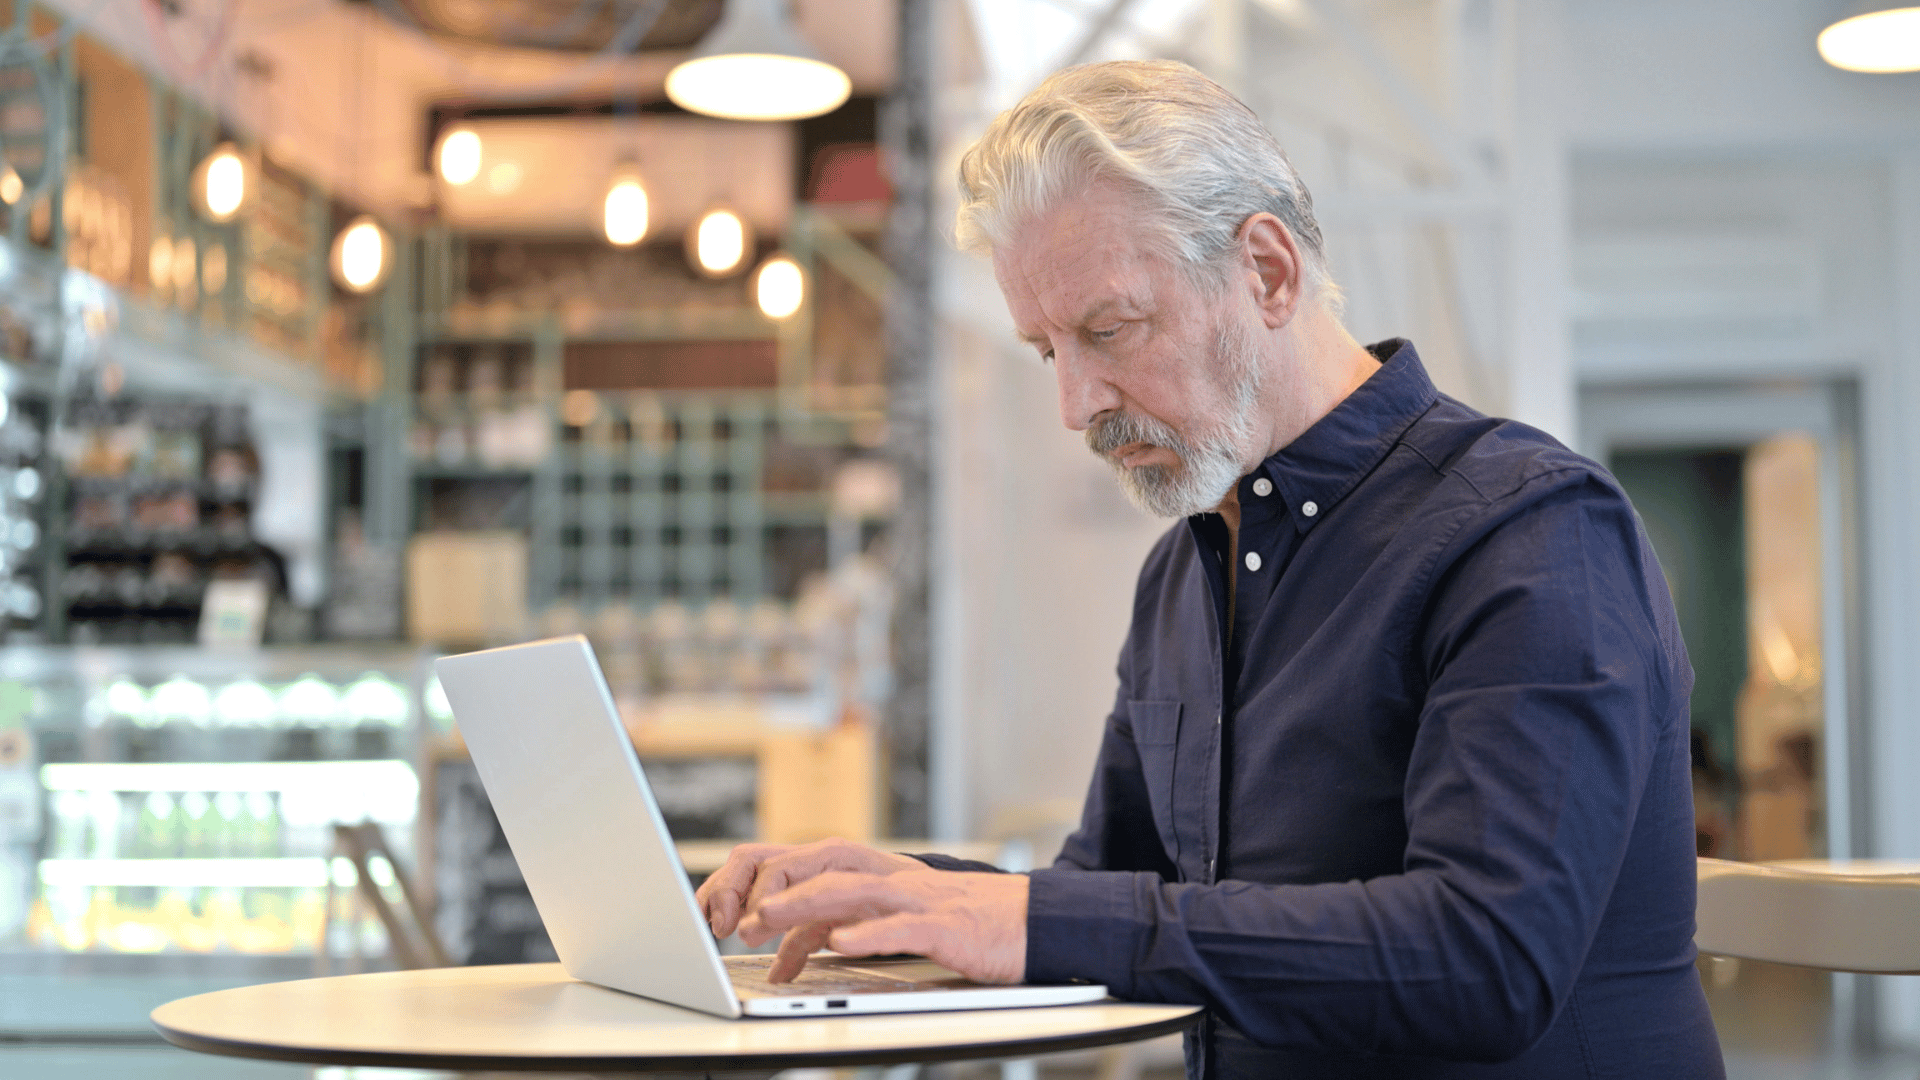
column 1154, row 723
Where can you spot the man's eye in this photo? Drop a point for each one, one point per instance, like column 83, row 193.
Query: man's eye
column 1104, row 335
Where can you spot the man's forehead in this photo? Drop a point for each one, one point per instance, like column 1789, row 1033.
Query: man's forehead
column 1070, row 263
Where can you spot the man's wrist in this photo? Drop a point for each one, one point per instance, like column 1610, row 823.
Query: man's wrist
column 949, row 862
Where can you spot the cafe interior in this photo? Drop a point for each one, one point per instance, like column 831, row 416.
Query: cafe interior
column 337, row 336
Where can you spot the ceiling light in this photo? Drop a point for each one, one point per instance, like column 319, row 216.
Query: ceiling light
column 756, row 66
column 221, row 184
column 362, row 255
column 459, row 156
column 11, row 186
column 779, row 287
column 718, row 244
column 625, row 211
column 1877, row 38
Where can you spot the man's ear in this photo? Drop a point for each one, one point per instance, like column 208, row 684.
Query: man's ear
column 1278, row 272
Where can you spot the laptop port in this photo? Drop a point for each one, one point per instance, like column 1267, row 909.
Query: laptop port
column 836, row 1003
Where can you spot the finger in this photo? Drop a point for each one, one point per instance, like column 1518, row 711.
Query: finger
column 923, row 935
column 723, row 895
column 906, row 932
column 791, row 866
column 723, row 913
column 801, row 942
column 832, row 897
column 753, row 933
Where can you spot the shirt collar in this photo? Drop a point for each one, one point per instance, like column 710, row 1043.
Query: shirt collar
column 1311, row 474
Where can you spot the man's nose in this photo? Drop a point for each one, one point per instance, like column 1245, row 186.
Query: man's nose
column 1084, row 391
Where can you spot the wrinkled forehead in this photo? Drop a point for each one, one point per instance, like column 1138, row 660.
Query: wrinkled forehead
column 1077, row 252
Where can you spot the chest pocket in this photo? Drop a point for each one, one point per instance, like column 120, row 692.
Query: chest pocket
column 1156, row 738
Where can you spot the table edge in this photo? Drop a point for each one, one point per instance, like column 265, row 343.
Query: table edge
column 1012, row 1048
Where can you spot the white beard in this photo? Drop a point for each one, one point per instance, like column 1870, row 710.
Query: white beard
column 1212, row 462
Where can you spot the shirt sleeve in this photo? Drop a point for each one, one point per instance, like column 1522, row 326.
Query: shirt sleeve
column 1549, row 694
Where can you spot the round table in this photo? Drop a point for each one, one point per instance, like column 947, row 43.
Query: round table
column 534, row 1017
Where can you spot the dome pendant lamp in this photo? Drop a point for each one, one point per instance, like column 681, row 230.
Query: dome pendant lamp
column 362, row 255
column 1875, row 37
column 756, row 66
column 624, row 212
column 223, row 184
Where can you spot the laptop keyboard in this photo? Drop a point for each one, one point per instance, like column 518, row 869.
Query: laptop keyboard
column 840, row 975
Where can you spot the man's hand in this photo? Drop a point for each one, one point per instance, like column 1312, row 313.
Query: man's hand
column 975, row 924
column 756, row 871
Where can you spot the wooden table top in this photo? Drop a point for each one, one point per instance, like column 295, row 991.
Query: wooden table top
column 533, row 1017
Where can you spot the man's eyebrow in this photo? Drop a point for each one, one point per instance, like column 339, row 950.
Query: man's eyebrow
column 1093, row 311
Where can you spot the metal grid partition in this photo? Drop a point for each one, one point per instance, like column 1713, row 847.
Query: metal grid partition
column 655, row 497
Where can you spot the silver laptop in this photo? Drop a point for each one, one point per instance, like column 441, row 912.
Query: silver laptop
column 575, row 807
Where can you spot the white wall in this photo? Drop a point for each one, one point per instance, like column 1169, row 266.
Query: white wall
column 1742, row 211
column 1039, row 554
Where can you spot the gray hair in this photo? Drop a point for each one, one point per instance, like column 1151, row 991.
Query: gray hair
column 1199, row 157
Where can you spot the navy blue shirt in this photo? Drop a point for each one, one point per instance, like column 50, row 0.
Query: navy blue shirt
column 1424, row 809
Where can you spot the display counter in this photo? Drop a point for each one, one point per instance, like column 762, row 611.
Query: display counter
column 180, row 802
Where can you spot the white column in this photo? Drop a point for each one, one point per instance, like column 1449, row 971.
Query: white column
column 1892, row 454
column 1539, row 353
column 1226, row 45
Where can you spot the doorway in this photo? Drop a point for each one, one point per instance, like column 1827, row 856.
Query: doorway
column 1748, row 494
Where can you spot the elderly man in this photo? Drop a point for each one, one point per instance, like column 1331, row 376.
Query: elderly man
column 1396, row 780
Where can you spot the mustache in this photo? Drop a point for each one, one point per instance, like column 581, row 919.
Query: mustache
column 1112, row 430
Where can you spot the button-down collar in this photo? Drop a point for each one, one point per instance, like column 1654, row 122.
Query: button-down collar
column 1315, row 471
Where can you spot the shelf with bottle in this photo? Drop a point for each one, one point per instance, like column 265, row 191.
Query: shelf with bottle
column 477, row 410
column 159, row 496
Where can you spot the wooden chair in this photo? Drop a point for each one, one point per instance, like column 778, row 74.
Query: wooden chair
column 411, row 940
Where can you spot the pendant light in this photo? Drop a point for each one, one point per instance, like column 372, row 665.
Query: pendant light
column 719, row 243
column 362, row 255
column 779, row 286
column 458, row 156
column 1874, row 37
column 624, row 212
column 756, row 66
column 222, row 184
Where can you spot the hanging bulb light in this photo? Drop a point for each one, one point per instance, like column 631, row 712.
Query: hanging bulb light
column 624, row 214
column 718, row 244
column 756, row 66
column 362, row 255
column 779, row 287
column 222, row 184
column 458, row 156
column 1874, row 37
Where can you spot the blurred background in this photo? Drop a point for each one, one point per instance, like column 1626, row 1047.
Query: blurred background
column 336, row 335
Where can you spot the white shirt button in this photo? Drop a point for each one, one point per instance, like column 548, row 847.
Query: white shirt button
column 1309, row 508
column 1253, row 560
column 1263, row 487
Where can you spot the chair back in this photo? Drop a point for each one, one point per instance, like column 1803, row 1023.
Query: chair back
column 1842, row 916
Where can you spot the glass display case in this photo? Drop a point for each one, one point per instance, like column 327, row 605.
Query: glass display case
column 182, row 801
